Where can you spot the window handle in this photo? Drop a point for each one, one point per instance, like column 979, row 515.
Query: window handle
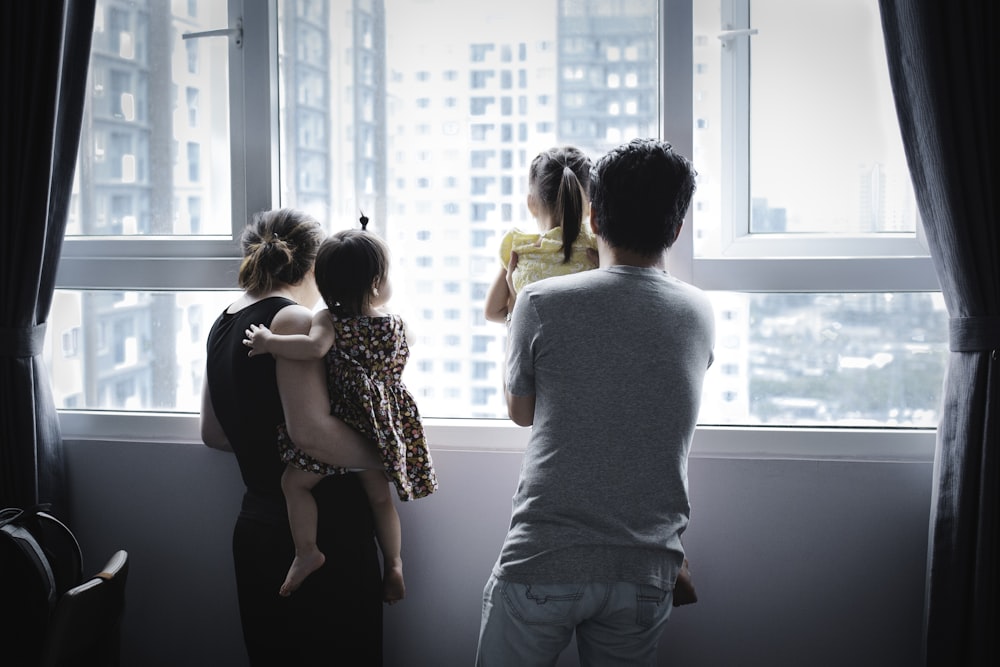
column 236, row 32
column 729, row 35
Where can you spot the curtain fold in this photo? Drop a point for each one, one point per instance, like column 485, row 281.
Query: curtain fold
column 43, row 76
column 943, row 64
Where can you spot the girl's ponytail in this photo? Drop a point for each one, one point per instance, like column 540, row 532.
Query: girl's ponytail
column 569, row 210
column 559, row 178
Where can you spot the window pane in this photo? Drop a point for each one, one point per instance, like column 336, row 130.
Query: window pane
column 428, row 126
column 794, row 127
column 140, row 351
column 154, row 147
column 826, row 152
column 827, row 360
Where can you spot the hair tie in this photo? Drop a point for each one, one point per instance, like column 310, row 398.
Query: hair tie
column 363, row 220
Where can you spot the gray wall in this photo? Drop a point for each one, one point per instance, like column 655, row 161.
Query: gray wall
column 796, row 562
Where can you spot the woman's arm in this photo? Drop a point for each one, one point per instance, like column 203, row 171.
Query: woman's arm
column 211, row 430
column 306, row 403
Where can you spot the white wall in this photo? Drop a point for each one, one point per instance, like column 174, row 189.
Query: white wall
column 796, row 562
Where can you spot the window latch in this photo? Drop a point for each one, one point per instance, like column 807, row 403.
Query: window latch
column 727, row 36
column 236, row 33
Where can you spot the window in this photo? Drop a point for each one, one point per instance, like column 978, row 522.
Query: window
column 823, row 231
column 480, row 106
column 831, row 315
column 194, row 161
column 479, row 52
column 480, row 78
column 192, row 56
column 192, row 105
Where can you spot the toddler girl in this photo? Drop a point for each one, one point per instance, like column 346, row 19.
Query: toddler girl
column 557, row 198
column 365, row 350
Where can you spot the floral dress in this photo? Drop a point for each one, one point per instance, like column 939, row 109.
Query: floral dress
column 364, row 377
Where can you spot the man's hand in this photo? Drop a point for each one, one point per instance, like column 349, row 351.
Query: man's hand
column 511, row 293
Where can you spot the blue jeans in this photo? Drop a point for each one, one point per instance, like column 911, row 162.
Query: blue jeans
column 616, row 623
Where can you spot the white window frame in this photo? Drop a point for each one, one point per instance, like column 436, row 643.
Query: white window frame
column 203, row 262
column 772, row 262
column 750, row 263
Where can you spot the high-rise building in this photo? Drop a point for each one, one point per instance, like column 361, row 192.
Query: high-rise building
column 608, row 73
column 148, row 157
column 872, row 193
column 465, row 118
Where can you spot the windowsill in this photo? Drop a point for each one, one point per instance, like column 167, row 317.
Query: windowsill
column 712, row 442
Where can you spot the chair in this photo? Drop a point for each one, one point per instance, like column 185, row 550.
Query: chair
column 85, row 627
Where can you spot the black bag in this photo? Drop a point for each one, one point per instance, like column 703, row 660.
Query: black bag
column 40, row 560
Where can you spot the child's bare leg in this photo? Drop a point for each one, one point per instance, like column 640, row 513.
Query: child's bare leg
column 302, row 518
column 388, row 532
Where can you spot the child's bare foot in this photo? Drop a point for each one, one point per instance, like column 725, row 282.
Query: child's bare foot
column 393, row 588
column 301, row 568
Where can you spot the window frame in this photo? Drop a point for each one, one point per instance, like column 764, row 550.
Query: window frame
column 883, row 262
column 199, row 262
column 211, row 263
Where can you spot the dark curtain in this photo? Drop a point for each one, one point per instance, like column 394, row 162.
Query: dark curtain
column 944, row 69
column 43, row 77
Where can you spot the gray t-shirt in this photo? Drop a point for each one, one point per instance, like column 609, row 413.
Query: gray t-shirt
column 616, row 358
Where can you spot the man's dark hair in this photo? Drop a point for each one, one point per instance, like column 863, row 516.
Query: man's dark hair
column 639, row 194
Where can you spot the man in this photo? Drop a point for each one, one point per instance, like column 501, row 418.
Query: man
column 607, row 367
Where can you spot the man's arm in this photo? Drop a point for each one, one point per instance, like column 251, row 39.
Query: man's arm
column 497, row 299
column 306, row 403
column 521, row 409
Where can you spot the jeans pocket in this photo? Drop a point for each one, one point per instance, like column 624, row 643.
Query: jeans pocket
column 536, row 604
column 649, row 605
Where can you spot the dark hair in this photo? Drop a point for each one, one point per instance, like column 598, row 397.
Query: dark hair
column 639, row 195
column 558, row 179
column 279, row 247
column 347, row 265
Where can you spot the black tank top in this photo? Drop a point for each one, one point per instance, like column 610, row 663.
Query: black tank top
column 244, row 393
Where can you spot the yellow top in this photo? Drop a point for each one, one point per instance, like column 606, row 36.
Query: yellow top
column 540, row 255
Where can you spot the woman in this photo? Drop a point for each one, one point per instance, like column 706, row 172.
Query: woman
column 243, row 402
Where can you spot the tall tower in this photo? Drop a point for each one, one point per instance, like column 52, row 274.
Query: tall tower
column 607, row 64
column 333, row 76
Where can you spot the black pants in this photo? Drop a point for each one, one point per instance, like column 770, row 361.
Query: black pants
column 336, row 615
